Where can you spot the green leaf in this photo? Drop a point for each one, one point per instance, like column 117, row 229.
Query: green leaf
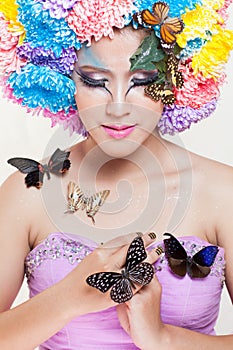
column 177, row 49
column 161, row 66
column 147, row 54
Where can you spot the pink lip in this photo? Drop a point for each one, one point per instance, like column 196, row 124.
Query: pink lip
column 118, row 131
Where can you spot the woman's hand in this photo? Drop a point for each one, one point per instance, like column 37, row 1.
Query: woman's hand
column 36, row 320
column 140, row 317
column 110, row 256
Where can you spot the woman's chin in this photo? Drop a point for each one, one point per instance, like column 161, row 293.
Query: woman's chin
column 120, row 149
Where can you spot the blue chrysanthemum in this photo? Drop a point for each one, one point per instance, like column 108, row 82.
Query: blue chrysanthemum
column 193, row 46
column 43, row 87
column 42, row 30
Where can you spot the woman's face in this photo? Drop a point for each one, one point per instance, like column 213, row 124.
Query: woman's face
column 111, row 100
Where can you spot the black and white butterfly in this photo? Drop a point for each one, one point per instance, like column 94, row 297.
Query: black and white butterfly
column 57, row 164
column 135, row 271
column 197, row 266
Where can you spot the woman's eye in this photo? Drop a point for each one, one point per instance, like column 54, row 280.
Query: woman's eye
column 144, row 81
column 92, row 82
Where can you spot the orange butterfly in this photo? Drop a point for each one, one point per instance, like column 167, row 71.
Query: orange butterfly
column 169, row 27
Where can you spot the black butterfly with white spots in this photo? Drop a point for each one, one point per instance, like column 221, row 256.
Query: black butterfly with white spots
column 135, row 271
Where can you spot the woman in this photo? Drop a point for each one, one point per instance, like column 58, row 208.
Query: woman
column 166, row 181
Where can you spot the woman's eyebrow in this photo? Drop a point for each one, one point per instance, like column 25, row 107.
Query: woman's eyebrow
column 93, row 68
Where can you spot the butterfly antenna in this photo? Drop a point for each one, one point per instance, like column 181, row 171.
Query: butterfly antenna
column 92, row 218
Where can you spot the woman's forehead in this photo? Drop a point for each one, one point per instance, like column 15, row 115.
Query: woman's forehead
column 106, row 51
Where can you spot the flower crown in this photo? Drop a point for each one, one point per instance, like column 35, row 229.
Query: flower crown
column 188, row 45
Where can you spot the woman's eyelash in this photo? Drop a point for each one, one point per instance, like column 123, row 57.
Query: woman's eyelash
column 91, row 82
column 145, row 81
column 101, row 82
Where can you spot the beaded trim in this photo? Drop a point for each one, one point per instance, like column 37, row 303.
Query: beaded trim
column 74, row 252
column 55, row 248
column 217, row 269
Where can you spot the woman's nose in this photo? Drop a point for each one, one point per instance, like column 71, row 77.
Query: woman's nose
column 118, row 109
column 118, row 106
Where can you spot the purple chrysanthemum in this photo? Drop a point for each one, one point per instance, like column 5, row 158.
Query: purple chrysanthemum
column 42, row 57
column 58, row 8
column 177, row 119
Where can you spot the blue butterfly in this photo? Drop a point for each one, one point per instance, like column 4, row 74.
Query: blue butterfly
column 197, row 266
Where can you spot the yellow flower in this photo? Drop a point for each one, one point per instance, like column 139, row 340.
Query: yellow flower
column 198, row 24
column 214, row 54
column 215, row 4
column 9, row 9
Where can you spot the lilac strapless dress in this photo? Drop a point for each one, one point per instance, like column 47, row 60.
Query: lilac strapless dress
column 186, row 302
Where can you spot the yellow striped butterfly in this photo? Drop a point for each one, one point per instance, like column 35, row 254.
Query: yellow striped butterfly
column 160, row 92
column 173, row 78
column 172, row 70
column 77, row 200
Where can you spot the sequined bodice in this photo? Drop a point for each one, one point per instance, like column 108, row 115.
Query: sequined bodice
column 186, row 302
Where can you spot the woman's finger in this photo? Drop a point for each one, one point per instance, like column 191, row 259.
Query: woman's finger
column 154, row 254
column 120, row 241
column 117, row 248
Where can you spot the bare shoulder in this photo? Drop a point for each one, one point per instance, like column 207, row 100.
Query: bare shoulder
column 17, row 208
column 214, row 191
column 18, row 202
column 215, row 176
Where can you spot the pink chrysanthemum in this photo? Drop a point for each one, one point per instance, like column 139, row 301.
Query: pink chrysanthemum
column 197, row 90
column 98, row 17
column 9, row 61
column 224, row 10
column 70, row 120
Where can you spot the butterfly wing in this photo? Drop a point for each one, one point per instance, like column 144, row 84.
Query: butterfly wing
column 148, row 18
column 201, row 262
column 76, row 199
column 59, row 162
column 103, row 280
column 168, row 97
column 121, row 291
column 159, row 14
column 33, row 169
column 35, row 178
column 142, row 273
column 154, row 91
column 95, row 202
column 24, row 165
column 169, row 29
column 135, row 254
column 176, row 255
column 160, row 11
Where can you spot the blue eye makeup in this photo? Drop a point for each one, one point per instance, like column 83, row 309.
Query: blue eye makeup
column 101, row 83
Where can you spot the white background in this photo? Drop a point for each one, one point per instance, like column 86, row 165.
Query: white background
column 25, row 135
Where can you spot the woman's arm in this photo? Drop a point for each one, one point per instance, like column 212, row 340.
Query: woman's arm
column 34, row 321
column 31, row 323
